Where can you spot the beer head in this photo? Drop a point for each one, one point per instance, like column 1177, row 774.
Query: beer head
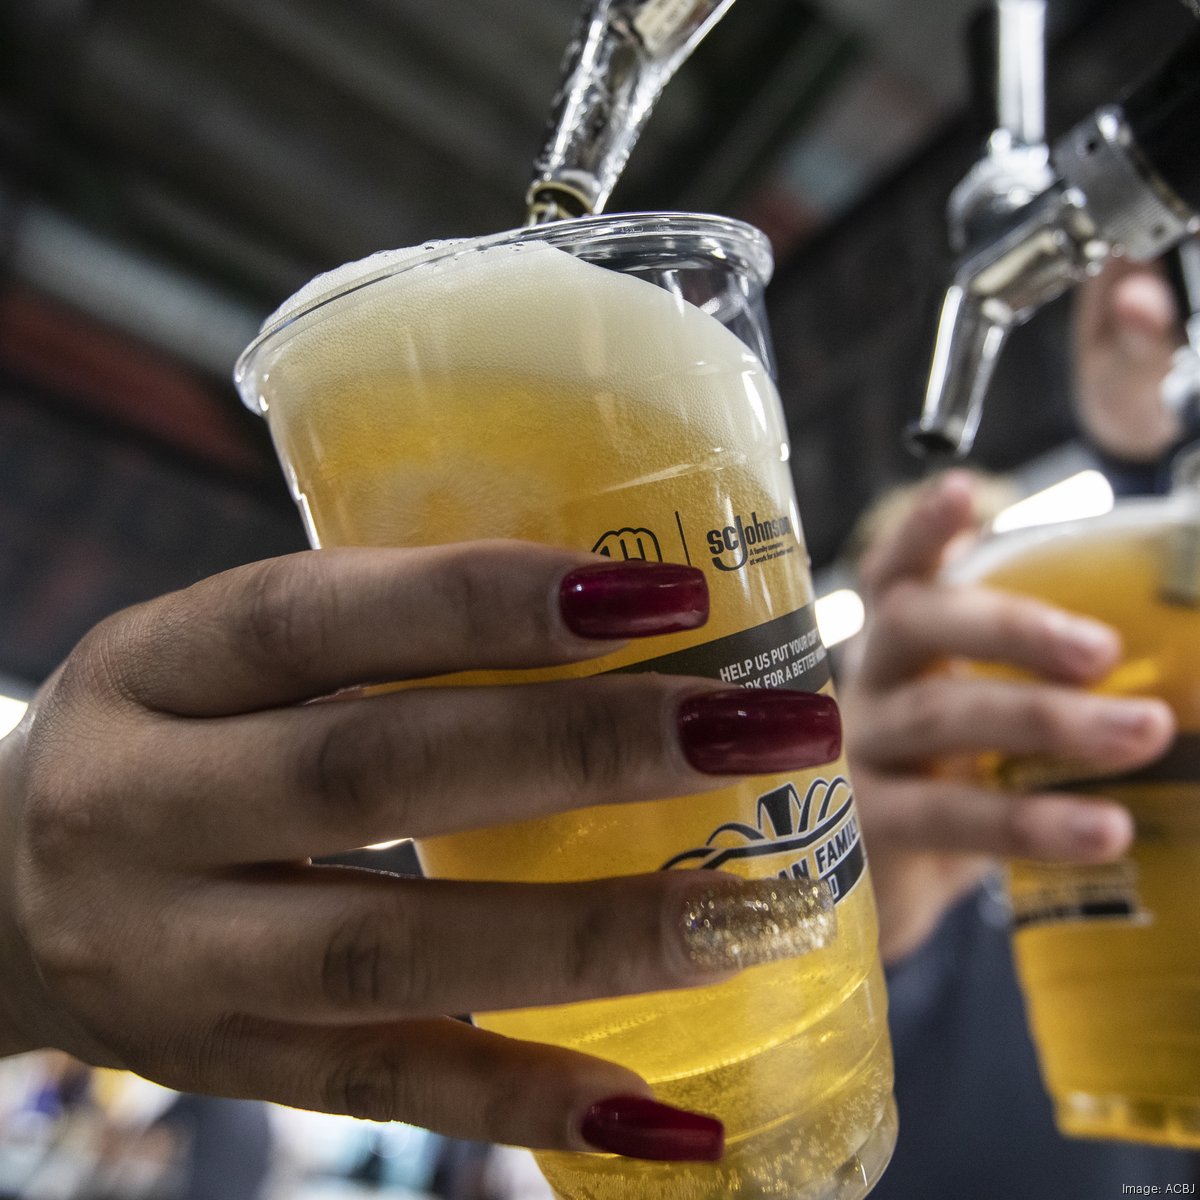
column 489, row 380
column 726, row 265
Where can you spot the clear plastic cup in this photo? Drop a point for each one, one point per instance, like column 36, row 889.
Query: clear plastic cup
column 606, row 384
column 1108, row 956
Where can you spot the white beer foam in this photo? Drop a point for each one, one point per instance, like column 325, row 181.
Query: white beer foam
column 349, row 274
column 528, row 309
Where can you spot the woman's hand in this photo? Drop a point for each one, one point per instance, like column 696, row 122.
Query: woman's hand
column 917, row 720
column 161, row 801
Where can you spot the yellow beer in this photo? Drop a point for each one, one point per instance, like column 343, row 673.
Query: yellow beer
column 1109, row 957
column 519, row 391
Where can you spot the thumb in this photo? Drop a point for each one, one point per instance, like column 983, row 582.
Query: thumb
column 1144, row 314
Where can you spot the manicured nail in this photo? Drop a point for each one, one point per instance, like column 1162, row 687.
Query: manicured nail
column 640, row 1128
column 740, row 924
column 633, row 599
column 755, row 731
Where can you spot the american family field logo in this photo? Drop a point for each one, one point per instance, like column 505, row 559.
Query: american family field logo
column 813, row 837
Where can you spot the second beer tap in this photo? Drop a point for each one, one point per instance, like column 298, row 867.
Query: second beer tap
column 1030, row 221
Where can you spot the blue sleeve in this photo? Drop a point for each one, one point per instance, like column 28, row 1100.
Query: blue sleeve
column 975, row 1120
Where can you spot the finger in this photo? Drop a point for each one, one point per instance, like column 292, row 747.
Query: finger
column 1098, row 315
column 305, row 625
column 915, row 550
column 1144, row 312
column 372, row 947
column 439, row 1074
column 938, row 716
column 916, row 626
column 287, row 784
column 933, row 815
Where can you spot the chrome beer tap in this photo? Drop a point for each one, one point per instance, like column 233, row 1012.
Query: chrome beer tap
column 1030, row 221
column 1181, row 388
column 621, row 59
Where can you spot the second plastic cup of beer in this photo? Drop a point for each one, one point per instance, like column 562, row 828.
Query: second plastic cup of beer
column 1108, row 956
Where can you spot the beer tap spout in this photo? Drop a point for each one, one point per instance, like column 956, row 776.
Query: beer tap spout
column 1037, row 254
column 968, row 344
column 1015, row 168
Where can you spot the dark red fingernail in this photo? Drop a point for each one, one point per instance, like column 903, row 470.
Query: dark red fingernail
column 633, row 599
column 754, row 731
column 641, row 1128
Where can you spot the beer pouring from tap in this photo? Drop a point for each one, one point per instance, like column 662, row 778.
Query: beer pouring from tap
column 622, row 57
column 1125, row 181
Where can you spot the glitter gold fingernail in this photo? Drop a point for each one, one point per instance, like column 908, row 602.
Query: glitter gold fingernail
column 737, row 924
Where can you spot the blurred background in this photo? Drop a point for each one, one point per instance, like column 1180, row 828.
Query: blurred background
column 170, row 172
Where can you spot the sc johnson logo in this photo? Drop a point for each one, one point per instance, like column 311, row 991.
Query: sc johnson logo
column 733, row 546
